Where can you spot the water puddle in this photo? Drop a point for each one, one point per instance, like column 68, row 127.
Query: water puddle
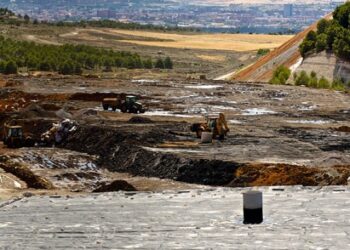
column 171, row 150
column 203, row 86
column 218, row 107
column 235, row 122
column 308, row 121
column 182, row 97
column 306, row 106
column 258, row 111
column 144, row 81
column 168, row 113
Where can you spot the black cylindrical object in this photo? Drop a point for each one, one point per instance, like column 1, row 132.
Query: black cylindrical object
column 252, row 207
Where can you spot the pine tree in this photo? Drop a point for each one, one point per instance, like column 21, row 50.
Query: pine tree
column 159, row 64
column 168, row 63
column 11, row 68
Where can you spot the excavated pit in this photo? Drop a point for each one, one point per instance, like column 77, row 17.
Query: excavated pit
column 280, row 135
column 122, row 151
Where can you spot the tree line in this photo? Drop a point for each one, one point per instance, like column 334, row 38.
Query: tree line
column 332, row 35
column 120, row 25
column 281, row 75
column 69, row 59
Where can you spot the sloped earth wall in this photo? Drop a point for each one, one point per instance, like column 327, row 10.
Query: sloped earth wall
column 122, row 150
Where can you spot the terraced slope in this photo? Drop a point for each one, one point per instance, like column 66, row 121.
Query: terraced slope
column 287, row 54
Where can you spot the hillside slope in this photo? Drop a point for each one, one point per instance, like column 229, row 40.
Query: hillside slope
column 287, row 54
column 326, row 65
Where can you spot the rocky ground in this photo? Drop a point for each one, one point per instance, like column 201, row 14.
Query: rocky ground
column 279, row 135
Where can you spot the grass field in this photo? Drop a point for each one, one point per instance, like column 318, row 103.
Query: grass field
column 228, row 42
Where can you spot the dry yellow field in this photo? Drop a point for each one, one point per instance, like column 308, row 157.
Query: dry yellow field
column 212, row 58
column 230, row 42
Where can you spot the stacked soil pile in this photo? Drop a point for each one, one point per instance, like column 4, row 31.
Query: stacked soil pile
column 284, row 174
column 117, row 185
column 34, row 111
column 139, row 119
column 25, row 174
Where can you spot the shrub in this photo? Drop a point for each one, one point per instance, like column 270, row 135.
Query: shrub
column 67, row 68
column 275, row 81
column 159, row 64
column 10, row 68
column 311, row 36
column 306, row 46
column 333, row 35
column 168, row 63
column 321, row 43
column 148, row 64
column 302, row 79
column 341, row 14
column 338, row 84
column 322, row 25
column 280, row 75
column 78, row 70
column 323, row 83
column 295, row 75
column 2, row 66
column 262, row 52
column 52, row 57
column 45, row 66
column 313, row 82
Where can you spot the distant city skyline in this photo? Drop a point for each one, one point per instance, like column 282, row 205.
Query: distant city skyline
column 270, row 17
column 228, row 2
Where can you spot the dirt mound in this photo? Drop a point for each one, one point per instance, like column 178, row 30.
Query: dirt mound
column 345, row 129
column 89, row 175
column 95, row 97
column 283, row 174
column 33, row 111
column 50, row 106
column 117, row 185
column 63, row 114
column 139, row 119
column 26, row 175
column 86, row 113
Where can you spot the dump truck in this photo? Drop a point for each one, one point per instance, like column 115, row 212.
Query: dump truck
column 215, row 124
column 129, row 104
column 14, row 137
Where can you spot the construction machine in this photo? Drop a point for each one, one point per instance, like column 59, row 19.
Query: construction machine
column 129, row 104
column 215, row 124
column 14, row 137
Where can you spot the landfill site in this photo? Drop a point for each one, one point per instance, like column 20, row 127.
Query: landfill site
column 111, row 163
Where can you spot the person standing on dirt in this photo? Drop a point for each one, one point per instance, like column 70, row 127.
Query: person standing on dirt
column 221, row 126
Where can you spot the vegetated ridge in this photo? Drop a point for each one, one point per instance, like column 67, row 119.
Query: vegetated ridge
column 287, row 54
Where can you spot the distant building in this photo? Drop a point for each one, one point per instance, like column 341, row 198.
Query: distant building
column 106, row 14
column 288, row 10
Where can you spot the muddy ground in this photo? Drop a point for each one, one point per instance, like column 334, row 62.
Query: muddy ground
column 279, row 135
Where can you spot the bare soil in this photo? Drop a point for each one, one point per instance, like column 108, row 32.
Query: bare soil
column 279, row 135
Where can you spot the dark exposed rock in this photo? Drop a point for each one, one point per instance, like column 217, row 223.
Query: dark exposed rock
column 117, row 185
column 139, row 119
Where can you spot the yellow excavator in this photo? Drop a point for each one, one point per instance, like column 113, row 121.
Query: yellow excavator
column 216, row 124
column 14, row 137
